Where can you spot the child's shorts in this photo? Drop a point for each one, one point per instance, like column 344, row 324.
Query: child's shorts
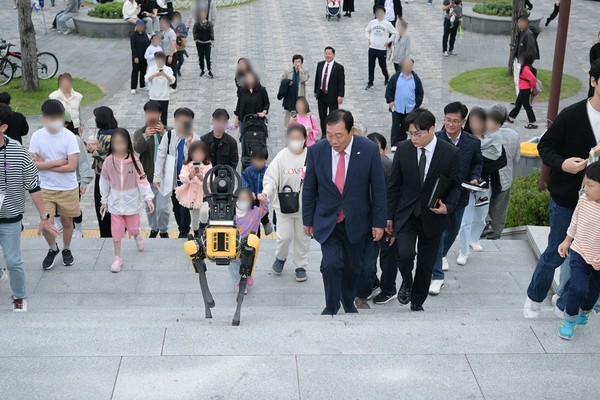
column 62, row 202
column 118, row 223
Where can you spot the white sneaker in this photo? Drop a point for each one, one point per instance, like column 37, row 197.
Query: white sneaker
column 394, row 149
column 558, row 313
column 436, row 286
column 173, row 90
column 67, row 32
column 77, row 233
column 476, row 246
column 20, row 305
column 531, row 309
column 117, row 264
column 3, row 276
column 445, row 54
column 462, row 260
column 133, row 91
column 445, row 265
column 554, row 299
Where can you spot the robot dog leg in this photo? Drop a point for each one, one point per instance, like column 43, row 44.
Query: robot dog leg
column 195, row 249
column 248, row 253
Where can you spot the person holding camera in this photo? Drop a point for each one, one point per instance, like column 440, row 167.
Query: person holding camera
column 172, row 152
column 158, row 78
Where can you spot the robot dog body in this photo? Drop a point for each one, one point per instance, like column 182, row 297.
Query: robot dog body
column 220, row 241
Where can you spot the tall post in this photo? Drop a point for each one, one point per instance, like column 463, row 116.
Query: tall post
column 556, row 82
column 559, row 59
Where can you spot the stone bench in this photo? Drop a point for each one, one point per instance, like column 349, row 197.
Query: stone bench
column 102, row 28
column 490, row 24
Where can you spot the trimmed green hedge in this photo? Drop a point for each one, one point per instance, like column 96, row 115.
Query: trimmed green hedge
column 528, row 206
column 499, row 8
column 108, row 11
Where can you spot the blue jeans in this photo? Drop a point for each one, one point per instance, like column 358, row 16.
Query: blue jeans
column 368, row 272
column 473, row 222
column 584, row 287
column 61, row 21
column 448, row 238
column 563, row 285
column 541, row 281
column 10, row 241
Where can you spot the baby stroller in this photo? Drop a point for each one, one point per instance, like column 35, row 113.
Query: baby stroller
column 253, row 137
column 333, row 9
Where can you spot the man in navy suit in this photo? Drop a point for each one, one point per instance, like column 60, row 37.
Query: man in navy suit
column 343, row 200
column 418, row 164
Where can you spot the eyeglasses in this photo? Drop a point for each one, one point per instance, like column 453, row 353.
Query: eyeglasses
column 416, row 134
column 453, row 121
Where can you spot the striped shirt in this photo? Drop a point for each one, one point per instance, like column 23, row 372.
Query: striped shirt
column 18, row 174
column 585, row 229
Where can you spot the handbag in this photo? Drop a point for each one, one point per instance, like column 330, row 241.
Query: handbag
column 289, row 201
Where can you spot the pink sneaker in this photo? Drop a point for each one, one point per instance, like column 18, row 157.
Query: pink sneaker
column 117, row 264
column 250, row 280
column 139, row 242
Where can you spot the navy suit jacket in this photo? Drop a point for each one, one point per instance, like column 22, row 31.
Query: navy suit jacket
column 364, row 199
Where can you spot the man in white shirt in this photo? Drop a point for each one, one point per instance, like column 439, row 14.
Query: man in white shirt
column 56, row 154
column 377, row 32
column 158, row 79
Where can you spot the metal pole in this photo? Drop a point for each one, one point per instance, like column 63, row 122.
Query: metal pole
column 559, row 59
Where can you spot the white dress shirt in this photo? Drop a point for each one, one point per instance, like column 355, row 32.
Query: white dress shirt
column 428, row 154
column 328, row 75
column 335, row 158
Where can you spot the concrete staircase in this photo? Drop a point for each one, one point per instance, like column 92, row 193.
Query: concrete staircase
column 141, row 334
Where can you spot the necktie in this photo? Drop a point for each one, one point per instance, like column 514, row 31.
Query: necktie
column 324, row 84
column 422, row 163
column 340, row 177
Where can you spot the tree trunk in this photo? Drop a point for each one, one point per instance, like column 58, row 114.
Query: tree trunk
column 518, row 10
column 29, row 81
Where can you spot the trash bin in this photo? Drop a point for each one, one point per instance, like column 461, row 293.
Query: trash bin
column 530, row 158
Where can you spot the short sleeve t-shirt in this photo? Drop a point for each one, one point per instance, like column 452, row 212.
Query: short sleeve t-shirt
column 166, row 38
column 55, row 146
column 594, row 116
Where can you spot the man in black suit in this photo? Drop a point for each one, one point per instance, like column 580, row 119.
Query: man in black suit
column 418, row 163
column 329, row 86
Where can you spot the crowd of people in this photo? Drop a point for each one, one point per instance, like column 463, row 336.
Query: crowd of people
column 331, row 182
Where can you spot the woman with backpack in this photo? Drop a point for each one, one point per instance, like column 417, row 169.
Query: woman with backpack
column 527, row 85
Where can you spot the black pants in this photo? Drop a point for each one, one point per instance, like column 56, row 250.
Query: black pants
column 399, row 128
column 138, row 72
column 103, row 224
column 523, row 100
column 173, row 66
column 182, row 217
column 389, row 264
column 378, row 55
column 164, row 111
column 179, row 60
column 204, row 54
column 554, row 14
column 427, row 249
column 397, row 67
column 326, row 103
column 340, row 266
column 449, row 32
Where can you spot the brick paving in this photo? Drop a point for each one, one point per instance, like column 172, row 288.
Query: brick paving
column 269, row 32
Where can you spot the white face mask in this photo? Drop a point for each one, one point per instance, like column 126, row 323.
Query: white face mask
column 54, row 126
column 296, row 145
column 244, row 205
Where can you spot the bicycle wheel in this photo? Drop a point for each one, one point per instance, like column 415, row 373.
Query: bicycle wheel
column 7, row 70
column 18, row 67
column 47, row 65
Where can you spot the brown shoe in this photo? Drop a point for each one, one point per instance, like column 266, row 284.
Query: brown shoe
column 362, row 304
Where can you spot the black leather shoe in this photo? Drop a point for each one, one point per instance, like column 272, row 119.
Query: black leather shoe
column 404, row 296
column 414, row 307
column 327, row 311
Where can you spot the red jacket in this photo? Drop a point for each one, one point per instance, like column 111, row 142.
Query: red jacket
column 526, row 78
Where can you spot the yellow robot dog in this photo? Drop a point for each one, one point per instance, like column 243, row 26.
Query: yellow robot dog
column 220, row 241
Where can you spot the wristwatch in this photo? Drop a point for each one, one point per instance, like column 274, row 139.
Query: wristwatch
column 45, row 217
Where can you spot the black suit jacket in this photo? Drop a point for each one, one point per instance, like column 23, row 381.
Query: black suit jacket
column 337, row 80
column 406, row 189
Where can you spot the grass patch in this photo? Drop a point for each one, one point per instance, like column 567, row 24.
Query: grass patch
column 496, row 84
column 29, row 103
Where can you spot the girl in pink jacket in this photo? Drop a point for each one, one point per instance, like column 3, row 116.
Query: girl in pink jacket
column 527, row 82
column 191, row 193
column 124, row 189
column 309, row 121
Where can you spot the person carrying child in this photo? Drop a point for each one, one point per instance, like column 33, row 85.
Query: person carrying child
column 583, row 244
column 247, row 219
column 124, row 189
column 252, row 178
column 191, row 192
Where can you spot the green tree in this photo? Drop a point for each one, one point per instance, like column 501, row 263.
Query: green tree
column 29, row 80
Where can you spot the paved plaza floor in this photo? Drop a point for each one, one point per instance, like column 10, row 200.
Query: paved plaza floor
column 141, row 334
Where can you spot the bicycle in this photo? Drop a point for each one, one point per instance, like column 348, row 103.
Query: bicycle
column 10, row 64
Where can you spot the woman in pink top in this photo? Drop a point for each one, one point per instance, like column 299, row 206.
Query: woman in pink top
column 304, row 117
column 124, row 189
column 527, row 81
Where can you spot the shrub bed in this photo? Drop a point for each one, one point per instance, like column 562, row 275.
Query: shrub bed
column 528, row 206
column 498, row 8
column 108, row 11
